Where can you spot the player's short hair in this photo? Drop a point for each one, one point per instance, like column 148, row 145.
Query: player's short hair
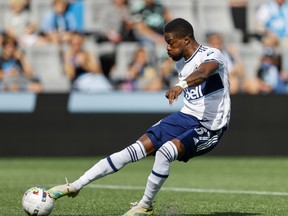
column 180, row 27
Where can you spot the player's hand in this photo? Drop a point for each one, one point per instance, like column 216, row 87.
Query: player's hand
column 173, row 94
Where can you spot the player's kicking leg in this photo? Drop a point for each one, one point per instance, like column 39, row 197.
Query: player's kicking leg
column 63, row 190
column 106, row 166
column 160, row 172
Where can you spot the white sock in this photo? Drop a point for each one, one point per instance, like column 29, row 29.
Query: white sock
column 111, row 164
column 160, row 172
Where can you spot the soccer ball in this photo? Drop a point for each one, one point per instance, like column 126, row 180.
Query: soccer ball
column 37, row 202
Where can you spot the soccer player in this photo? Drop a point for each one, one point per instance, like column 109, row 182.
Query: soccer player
column 193, row 131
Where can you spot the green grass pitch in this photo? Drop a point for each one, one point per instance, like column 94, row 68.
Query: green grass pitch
column 205, row 186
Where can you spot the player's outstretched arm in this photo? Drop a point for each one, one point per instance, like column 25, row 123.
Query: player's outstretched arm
column 202, row 73
column 173, row 93
column 194, row 79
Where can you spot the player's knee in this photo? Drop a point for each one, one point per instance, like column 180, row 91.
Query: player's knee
column 180, row 147
column 168, row 151
column 136, row 151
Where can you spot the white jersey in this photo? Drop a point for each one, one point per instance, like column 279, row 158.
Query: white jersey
column 210, row 101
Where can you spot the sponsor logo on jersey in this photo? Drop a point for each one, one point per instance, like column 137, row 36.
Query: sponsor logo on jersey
column 211, row 85
column 193, row 93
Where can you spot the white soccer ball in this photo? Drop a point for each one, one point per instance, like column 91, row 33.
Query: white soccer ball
column 37, row 202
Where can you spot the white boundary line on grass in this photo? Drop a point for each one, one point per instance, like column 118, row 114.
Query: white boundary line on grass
column 191, row 190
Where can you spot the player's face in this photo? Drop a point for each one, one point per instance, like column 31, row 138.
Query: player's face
column 175, row 46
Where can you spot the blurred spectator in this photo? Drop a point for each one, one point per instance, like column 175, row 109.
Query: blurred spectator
column 114, row 29
column 255, row 86
column 118, row 27
column 270, row 74
column 141, row 75
column 77, row 8
column 150, row 19
column 15, row 71
column 27, row 5
column 82, row 68
column 271, row 22
column 58, row 23
column 239, row 13
column 269, row 79
column 18, row 23
column 235, row 64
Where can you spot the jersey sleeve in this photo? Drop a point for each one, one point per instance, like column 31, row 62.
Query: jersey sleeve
column 213, row 54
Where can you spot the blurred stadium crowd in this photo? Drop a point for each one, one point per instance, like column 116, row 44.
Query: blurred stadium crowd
column 106, row 45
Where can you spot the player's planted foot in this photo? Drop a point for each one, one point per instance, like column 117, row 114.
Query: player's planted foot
column 63, row 190
column 137, row 210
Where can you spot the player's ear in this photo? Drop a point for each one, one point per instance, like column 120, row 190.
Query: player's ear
column 186, row 40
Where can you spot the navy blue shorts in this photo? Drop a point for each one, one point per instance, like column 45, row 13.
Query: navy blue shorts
column 196, row 139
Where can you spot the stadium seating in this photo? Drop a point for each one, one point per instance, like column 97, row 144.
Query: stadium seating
column 284, row 62
column 4, row 7
column 252, row 7
column 181, row 7
column 205, row 15
column 46, row 64
column 39, row 9
column 124, row 55
column 216, row 16
column 92, row 21
column 251, row 54
column 187, row 10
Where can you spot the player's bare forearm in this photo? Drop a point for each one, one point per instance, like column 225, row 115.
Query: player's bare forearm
column 202, row 73
column 194, row 79
column 173, row 93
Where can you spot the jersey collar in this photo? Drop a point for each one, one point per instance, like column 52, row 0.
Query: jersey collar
column 188, row 60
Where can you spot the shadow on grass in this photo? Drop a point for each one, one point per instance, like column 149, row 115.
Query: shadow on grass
column 220, row 214
column 172, row 210
column 168, row 214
